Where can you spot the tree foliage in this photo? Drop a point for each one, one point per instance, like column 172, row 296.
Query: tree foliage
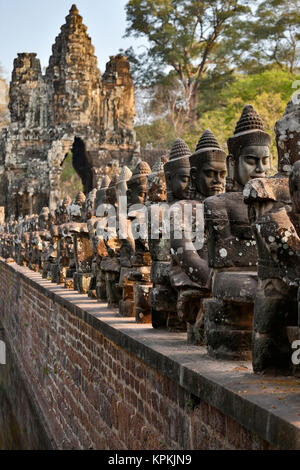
column 267, row 91
column 185, row 38
column 270, row 36
column 71, row 182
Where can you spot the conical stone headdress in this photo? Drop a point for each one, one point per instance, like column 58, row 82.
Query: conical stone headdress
column 207, row 149
column 141, row 170
column 80, row 198
column 125, row 175
column 249, row 131
column 179, row 157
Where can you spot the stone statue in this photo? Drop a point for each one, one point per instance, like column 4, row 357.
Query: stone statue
column 19, row 229
column 82, row 247
column 101, row 249
column 34, row 243
column 90, row 220
column 273, row 211
column 127, row 244
column 110, row 265
column 192, row 276
column 161, row 293
column 38, row 237
column 142, row 291
column 208, row 168
column 231, row 245
column 275, row 323
column 134, row 250
column 58, row 268
column 177, row 175
column 47, row 244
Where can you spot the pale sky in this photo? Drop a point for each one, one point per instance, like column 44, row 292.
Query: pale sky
column 32, row 25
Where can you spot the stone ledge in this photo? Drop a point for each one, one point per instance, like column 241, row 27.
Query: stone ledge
column 269, row 407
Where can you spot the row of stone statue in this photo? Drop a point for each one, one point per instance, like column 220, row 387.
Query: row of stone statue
column 234, row 289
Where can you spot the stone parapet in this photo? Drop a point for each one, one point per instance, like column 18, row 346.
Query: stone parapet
column 102, row 381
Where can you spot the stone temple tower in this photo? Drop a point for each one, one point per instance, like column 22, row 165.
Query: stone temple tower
column 70, row 107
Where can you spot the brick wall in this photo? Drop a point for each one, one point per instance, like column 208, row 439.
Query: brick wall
column 95, row 392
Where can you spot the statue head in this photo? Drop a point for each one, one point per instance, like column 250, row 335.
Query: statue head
column 177, row 171
column 249, row 149
column 137, row 185
column 101, row 193
column 33, row 224
column 287, row 132
column 124, row 176
column 111, row 193
column 208, row 167
column 63, row 210
column 90, row 204
column 294, row 183
column 44, row 219
column 76, row 209
column 156, row 182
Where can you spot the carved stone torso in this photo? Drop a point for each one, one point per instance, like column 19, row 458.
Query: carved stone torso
column 231, row 242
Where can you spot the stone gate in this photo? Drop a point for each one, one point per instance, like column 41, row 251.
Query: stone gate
column 71, row 106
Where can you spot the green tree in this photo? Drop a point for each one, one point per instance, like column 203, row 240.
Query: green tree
column 268, row 92
column 185, row 40
column 71, row 182
column 271, row 36
column 159, row 133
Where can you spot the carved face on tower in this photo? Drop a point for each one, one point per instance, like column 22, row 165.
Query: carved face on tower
column 208, row 167
column 294, row 182
column 177, row 171
column 249, row 149
column 137, row 185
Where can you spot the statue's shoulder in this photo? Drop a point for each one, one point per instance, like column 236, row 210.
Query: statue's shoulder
column 216, row 205
column 276, row 225
column 272, row 188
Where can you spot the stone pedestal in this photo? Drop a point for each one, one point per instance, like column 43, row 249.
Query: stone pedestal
column 229, row 315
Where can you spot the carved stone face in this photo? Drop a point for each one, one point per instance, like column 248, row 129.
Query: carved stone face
column 179, row 183
column 156, row 187
column 253, row 162
column 90, row 202
column 295, row 187
column 137, row 190
column 209, row 178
